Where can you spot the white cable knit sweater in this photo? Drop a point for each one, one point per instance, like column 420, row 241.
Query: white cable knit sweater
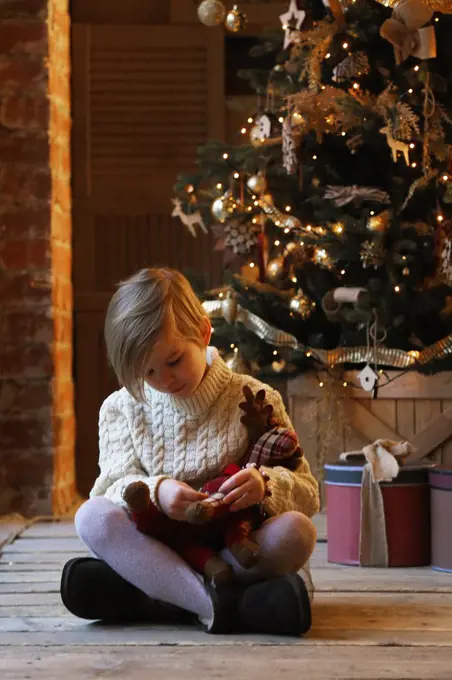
column 191, row 439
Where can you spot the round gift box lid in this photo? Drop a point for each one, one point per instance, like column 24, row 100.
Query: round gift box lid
column 342, row 473
column 440, row 477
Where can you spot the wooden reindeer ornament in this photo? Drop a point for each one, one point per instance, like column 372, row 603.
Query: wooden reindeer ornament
column 188, row 219
column 396, row 145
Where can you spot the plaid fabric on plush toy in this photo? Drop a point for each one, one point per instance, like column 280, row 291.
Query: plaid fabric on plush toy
column 279, row 446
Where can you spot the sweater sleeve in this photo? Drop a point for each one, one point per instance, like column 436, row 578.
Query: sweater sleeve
column 119, row 462
column 297, row 490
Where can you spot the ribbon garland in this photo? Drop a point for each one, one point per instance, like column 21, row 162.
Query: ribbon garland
column 232, row 312
column 341, row 195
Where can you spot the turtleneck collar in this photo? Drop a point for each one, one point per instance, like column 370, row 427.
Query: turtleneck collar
column 214, row 382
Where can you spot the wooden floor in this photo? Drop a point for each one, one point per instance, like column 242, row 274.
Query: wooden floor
column 368, row 624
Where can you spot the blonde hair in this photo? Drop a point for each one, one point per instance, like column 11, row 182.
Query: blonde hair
column 141, row 308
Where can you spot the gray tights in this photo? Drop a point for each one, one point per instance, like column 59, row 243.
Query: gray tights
column 286, row 543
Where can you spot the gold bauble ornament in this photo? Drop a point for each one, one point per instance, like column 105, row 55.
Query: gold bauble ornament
column 235, row 20
column 297, row 119
column 321, row 257
column 301, row 305
column 379, row 222
column 223, row 207
column 257, row 183
column 211, row 12
column 275, row 270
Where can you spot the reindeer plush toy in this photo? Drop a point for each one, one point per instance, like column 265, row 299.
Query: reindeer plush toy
column 210, row 525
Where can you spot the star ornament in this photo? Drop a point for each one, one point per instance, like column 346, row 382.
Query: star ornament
column 291, row 21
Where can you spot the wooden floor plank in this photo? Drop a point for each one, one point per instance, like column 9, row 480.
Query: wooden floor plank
column 29, row 577
column 227, row 661
column 51, row 530
column 31, row 567
column 40, row 558
column 34, row 587
column 374, row 611
column 12, row 611
column 45, row 545
column 355, row 579
column 70, row 630
column 382, row 611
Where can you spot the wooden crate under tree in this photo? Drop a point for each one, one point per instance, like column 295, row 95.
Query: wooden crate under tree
column 330, row 419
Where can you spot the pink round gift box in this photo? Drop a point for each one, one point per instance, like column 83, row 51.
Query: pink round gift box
column 406, row 503
column 441, row 517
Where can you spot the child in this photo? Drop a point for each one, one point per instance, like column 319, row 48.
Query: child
column 174, row 425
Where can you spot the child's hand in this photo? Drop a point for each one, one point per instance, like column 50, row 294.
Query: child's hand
column 243, row 489
column 174, row 497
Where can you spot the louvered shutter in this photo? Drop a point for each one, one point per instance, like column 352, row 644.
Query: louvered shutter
column 144, row 98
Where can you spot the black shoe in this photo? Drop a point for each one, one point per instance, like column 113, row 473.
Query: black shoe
column 90, row 589
column 277, row 606
column 225, row 601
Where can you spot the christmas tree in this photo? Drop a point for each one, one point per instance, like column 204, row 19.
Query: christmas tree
column 334, row 208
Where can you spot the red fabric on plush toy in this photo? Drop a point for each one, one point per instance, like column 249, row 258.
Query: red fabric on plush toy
column 210, row 519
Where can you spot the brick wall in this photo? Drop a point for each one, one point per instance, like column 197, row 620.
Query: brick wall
column 36, row 393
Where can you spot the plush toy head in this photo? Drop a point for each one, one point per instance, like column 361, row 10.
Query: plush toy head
column 137, row 496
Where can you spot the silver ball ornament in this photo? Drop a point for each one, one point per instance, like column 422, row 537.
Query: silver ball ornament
column 211, row 12
column 257, row 183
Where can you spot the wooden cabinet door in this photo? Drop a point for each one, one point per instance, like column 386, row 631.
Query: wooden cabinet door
column 144, row 98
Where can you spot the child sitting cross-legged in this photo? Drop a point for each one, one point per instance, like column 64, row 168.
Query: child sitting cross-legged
column 176, row 424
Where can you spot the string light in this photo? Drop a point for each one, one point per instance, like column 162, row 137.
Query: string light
column 225, row 156
column 345, row 383
column 410, row 91
column 232, row 345
column 249, row 208
column 356, row 86
column 288, row 208
column 372, row 212
column 236, row 349
column 314, row 158
column 221, row 295
column 294, row 279
column 243, row 131
column 436, row 19
column 327, row 55
column 397, row 289
column 277, row 243
column 321, row 383
column 445, row 178
column 236, row 175
column 416, row 68
column 342, row 272
column 309, row 228
column 250, row 120
column 281, row 119
column 219, row 185
column 345, row 45
column 275, row 353
column 440, row 218
column 308, row 354
column 414, row 165
column 286, row 230
column 256, row 203
column 343, row 134
column 254, row 220
column 412, row 145
column 252, row 265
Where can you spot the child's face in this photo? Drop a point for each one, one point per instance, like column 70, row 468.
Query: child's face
column 177, row 366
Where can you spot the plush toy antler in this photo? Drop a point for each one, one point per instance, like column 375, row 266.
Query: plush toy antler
column 258, row 417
